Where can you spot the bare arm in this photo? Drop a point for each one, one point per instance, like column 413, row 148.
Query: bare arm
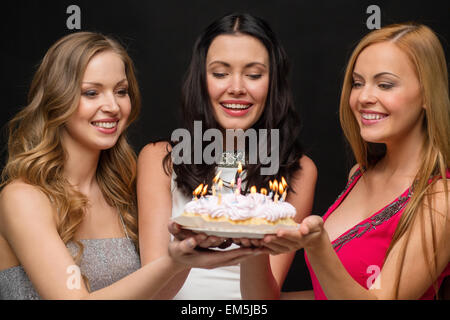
column 337, row 283
column 33, row 236
column 155, row 210
column 262, row 277
column 30, row 229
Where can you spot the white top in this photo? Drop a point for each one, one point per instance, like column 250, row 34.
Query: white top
column 221, row 283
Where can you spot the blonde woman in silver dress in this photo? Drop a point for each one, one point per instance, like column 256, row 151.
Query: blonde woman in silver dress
column 68, row 226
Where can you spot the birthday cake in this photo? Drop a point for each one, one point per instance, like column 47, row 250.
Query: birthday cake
column 236, row 215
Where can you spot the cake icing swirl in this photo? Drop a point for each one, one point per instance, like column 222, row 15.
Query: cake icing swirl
column 240, row 207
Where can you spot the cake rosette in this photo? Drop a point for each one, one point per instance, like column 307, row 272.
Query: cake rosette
column 235, row 215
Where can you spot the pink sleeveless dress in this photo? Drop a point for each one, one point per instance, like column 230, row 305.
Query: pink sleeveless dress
column 363, row 247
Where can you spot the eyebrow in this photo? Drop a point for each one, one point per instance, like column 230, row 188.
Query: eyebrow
column 248, row 65
column 377, row 75
column 98, row 84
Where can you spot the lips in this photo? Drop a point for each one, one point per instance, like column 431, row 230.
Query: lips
column 371, row 117
column 236, row 108
column 107, row 126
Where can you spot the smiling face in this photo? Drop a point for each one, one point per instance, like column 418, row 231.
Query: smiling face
column 237, row 68
column 104, row 104
column 386, row 97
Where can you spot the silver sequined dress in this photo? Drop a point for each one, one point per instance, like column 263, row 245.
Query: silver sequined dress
column 104, row 262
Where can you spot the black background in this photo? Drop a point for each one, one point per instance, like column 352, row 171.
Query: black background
column 317, row 35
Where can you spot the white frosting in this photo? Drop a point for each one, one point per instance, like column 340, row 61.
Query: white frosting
column 239, row 207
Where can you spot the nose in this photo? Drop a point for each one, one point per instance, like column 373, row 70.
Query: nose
column 109, row 104
column 367, row 96
column 237, row 86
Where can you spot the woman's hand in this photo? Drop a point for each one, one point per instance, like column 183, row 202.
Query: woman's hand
column 248, row 243
column 184, row 252
column 309, row 234
column 202, row 240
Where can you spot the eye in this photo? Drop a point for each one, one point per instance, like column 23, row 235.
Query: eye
column 122, row 92
column 385, row 86
column 219, row 75
column 254, row 76
column 356, row 84
column 90, row 93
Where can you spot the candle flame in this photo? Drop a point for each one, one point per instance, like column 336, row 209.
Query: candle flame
column 216, row 178
column 220, row 184
column 205, row 190
column 263, row 191
column 232, row 183
column 253, row 189
column 198, row 190
column 239, row 170
column 270, row 185
column 280, row 188
column 275, row 185
column 283, row 182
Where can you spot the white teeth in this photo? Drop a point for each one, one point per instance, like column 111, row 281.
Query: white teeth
column 107, row 125
column 236, row 106
column 372, row 116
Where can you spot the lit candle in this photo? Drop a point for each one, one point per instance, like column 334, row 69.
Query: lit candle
column 270, row 188
column 216, row 178
column 205, row 190
column 197, row 191
column 232, row 185
column 285, row 186
column 219, row 188
column 253, row 190
column 239, row 180
column 281, row 189
column 275, row 190
column 263, row 191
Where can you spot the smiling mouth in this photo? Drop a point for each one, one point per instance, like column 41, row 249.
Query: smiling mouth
column 236, row 106
column 105, row 125
column 373, row 116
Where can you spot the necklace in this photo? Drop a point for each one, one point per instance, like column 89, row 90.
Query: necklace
column 231, row 159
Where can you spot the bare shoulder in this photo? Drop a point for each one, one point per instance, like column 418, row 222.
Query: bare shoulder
column 151, row 157
column 155, row 150
column 22, row 193
column 19, row 200
column 353, row 170
column 308, row 168
column 306, row 177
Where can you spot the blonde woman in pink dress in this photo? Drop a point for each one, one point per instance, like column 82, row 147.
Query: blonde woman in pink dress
column 385, row 236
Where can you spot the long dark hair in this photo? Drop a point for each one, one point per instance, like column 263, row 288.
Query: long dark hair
column 279, row 112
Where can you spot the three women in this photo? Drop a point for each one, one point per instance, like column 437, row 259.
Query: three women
column 394, row 112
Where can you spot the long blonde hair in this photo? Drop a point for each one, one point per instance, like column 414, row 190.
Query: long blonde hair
column 425, row 51
column 35, row 153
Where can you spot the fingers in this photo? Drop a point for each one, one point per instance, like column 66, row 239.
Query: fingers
column 173, row 227
column 187, row 246
column 280, row 245
column 293, row 235
column 312, row 224
column 248, row 243
column 285, row 240
column 178, row 232
column 211, row 242
column 231, row 257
